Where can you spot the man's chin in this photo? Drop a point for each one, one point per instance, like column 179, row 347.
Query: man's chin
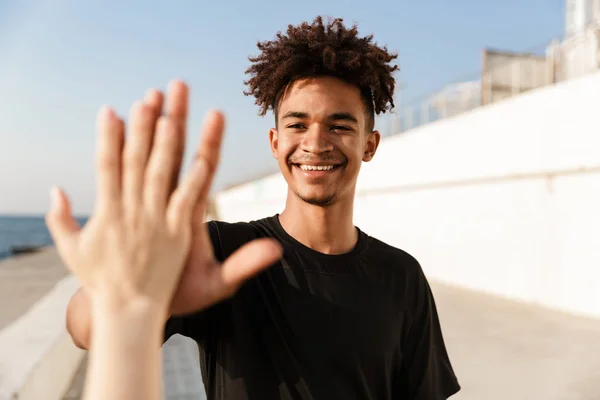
column 320, row 200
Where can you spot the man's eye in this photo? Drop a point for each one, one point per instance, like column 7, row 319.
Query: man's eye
column 296, row 126
column 340, row 128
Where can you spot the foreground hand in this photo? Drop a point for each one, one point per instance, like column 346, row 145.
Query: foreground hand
column 135, row 245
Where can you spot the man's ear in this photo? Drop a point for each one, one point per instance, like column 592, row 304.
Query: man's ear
column 371, row 145
column 273, row 139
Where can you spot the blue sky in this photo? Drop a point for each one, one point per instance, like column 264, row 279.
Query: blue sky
column 61, row 60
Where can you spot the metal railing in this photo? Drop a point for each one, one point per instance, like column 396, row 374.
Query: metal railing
column 502, row 75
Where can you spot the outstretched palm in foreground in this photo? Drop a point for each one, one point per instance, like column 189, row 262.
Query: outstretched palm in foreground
column 146, row 242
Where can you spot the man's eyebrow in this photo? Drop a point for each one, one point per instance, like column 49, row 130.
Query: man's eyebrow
column 295, row 114
column 343, row 116
column 339, row 116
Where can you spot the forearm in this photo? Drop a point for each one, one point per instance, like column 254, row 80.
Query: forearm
column 79, row 320
column 125, row 353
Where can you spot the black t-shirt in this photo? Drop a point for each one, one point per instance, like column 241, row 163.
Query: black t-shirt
column 361, row 325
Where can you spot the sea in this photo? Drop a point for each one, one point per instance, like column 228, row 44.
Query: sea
column 24, row 231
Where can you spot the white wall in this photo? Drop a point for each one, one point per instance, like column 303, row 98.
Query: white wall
column 504, row 199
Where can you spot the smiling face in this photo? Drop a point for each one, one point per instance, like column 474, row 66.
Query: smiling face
column 322, row 138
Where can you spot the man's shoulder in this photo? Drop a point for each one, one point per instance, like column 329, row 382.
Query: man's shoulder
column 392, row 255
column 256, row 227
column 229, row 236
column 403, row 271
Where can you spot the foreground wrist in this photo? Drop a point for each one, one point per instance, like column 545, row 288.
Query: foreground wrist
column 142, row 310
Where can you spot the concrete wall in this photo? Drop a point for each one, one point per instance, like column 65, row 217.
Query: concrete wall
column 504, row 199
column 37, row 357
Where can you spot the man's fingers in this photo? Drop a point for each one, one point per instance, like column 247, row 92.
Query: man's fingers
column 185, row 198
column 209, row 148
column 111, row 133
column 246, row 262
column 61, row 224
column 208, row 151
column 176, row 109
column 160, row 167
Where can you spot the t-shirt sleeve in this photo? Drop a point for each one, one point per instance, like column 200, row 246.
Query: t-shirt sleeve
column 195, row 325
column 426, row 372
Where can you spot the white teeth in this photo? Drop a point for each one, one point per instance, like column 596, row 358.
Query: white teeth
column 316, row 167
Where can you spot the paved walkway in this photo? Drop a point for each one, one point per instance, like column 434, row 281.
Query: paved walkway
column 180, row 369
column 505, row 350
column 22, row 283
column 500, row 349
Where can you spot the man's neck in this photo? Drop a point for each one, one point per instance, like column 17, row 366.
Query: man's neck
column 328, row 230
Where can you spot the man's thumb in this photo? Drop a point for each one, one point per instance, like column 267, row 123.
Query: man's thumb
column 248, row 261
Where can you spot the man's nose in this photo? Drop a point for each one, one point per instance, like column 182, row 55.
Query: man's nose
column 316, row 140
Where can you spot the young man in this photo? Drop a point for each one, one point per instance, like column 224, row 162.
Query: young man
column 342, row 315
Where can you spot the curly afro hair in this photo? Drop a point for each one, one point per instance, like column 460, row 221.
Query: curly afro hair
column 318, row 49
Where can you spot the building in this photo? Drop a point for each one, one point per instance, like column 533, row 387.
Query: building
column 579, row 14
